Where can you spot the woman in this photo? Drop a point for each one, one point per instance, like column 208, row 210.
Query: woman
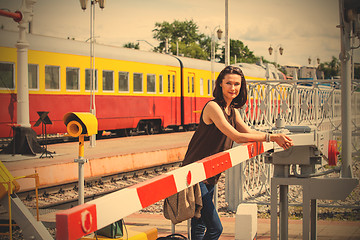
column 220, row 126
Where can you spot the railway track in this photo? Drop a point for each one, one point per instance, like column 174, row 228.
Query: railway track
column 66, row 195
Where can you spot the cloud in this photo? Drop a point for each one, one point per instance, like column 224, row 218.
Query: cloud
column 304, row 28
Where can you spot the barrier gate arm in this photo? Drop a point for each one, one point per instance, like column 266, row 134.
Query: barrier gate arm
column 86, row 218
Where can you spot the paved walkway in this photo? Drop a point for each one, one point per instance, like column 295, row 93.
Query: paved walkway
column 327, row 230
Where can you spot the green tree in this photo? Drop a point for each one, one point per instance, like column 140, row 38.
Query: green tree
column 185, row 35
column 132, row 45
column 330, row 69
column 241, row 51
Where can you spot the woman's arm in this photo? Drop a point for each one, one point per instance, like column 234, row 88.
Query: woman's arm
column 241, row 126
column 242, row 134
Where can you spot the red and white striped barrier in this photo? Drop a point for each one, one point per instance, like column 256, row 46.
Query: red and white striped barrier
column 87, row 218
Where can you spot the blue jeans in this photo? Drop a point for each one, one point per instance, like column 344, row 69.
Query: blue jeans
column 209, row 220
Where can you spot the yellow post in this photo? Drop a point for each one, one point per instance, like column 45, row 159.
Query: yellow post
column 80, row 124
column 9, row 200
column 81, row 146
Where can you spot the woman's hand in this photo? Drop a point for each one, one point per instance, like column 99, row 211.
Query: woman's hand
column 282, row 140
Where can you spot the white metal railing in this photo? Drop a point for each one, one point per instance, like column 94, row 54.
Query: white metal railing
column 314, row 103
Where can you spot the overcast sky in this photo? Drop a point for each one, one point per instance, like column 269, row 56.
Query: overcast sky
column 304, row 28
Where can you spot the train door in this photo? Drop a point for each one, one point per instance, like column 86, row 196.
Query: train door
column 171, row 82
column 192, row 97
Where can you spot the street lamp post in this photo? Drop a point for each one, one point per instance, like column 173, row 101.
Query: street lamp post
column 212, row 51
column 227, row 39
column 82, row 161
column 83, row 4
column 316, row 65
column 281, row 51
column 317, row 60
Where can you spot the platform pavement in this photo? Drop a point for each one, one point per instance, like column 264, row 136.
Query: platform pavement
column 109, row 156
column 327, row 230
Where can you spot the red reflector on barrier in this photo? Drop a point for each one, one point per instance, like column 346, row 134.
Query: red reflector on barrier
column 188, row 178
column 76, row 222
column 332, row 152
column 159, row 188
column 255, row 148
column 216, row 164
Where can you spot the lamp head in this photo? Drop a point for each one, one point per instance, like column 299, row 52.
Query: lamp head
column 270, row 50
column 83, row 4
column 281, row 50
column 219, row 33
column 101, row 3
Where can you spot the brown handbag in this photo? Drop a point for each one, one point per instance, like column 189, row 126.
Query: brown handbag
column 183, row 205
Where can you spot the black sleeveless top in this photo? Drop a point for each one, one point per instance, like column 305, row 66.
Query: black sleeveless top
column 208, row 140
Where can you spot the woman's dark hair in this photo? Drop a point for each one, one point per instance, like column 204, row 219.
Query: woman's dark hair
column 240, row 99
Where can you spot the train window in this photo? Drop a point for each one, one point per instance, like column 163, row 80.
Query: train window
column 108, row 80
column 72, row 78
column 52, row 77
column 138, row 82
column 192, row 85
column 88, row 82
column 213, row 85
column 160, row 83
column 173, row 83
column 7, row 76
column 209, row 87
column 123, row 82
column 33, row 73
column 201, row 86
column 188, row 84
column 169, row 83
column 151, row 83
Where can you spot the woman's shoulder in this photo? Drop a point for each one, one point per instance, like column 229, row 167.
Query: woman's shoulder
column 212, row 105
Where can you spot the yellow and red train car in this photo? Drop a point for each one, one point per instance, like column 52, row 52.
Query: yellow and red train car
column 134, row 90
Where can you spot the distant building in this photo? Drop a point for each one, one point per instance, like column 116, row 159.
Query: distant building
column 303, row 72
column 291, row 70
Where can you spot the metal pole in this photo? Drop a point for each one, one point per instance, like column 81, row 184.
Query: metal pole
column 172, row 228
column 177, row 47
column 284, row 189
column 189, row 228
column 345, row 29
column 81, row 160
column 92, row 64
column 306, row 213
column 314, row 214
column 273, row 210
column 212, row 56
column 22, row 46
column 227, row 41
column 81, row 180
